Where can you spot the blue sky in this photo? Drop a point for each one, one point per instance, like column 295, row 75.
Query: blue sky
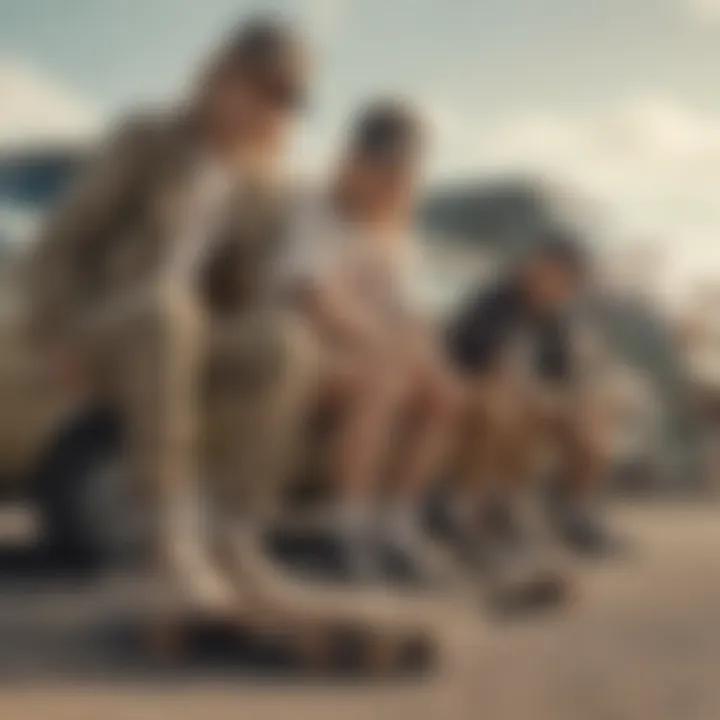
column 617, row 96
column 497, row 54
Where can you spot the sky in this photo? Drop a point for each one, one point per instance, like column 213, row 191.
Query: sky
column 618, row 98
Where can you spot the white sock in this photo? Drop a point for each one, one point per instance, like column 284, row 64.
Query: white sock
column 354, row 525
column 354, row 520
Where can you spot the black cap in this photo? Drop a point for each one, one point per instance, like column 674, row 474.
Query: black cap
column 271, row 53
column 387, row 131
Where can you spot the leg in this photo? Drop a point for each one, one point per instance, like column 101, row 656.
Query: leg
column 582, row 455
column 582, row 472
column 367, row 393
column 422, row 443
column 496, row 442
column 160, row 349
column 263, row 379
column 370, row 405
column 431, row 410
column 505, row 540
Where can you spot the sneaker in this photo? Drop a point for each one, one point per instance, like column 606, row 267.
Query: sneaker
column 326, row 555
column 579, row 526
column 515, row 568
column 585, row 534
column 539, row 589
column 415, row 562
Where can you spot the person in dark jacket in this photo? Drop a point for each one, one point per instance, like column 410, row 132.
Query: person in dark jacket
column 513, row 344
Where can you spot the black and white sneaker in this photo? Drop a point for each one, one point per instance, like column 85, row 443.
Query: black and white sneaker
column 416, row 562
column 325, row 553
column 517, row 572
column 585, row 534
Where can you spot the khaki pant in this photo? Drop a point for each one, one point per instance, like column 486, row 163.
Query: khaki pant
column 213, row 409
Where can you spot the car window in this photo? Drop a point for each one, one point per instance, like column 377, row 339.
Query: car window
column 36, row 180
column 30, row 182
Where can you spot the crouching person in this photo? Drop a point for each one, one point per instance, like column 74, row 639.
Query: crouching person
column 349, row 273
column 512, row 344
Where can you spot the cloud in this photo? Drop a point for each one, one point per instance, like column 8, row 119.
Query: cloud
column 654, row 148
column 650, row 164
column 35, row 108
column 701, row 10
column 324, row 19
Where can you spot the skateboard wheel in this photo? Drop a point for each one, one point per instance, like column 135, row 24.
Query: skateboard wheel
column 312, row 648
column 167, row 642
column 418, row 654
column 383, row 654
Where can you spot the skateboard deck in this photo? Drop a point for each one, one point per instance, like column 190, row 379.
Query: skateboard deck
column 325, row 648
column 318, row 628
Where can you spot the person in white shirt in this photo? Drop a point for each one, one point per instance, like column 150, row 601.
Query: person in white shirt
column 349, row 269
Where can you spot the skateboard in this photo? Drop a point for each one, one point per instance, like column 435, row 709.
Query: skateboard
column 314, row 648
column 312, row 628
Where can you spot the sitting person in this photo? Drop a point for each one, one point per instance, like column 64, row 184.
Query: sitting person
column 512, row 344
column 348, row 271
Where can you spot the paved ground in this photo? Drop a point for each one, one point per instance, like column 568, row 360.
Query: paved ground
column 641, row 642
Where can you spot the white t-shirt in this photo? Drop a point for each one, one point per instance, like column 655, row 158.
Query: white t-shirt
column 325, row 247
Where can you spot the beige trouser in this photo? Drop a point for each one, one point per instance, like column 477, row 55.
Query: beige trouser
column 212, row 410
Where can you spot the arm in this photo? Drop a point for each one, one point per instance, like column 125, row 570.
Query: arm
column 315, row 275
column 337, row 312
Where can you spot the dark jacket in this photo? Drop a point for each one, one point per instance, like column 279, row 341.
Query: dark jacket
column 493, row 318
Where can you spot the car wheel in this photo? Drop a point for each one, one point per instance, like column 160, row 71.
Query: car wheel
column 82, row 493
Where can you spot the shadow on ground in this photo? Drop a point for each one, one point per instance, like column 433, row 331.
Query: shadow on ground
column 64, row 620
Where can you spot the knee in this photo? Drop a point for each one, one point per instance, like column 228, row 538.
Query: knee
column 439, row 399
column 380, row 381
column 505, row 418
column 295, row 353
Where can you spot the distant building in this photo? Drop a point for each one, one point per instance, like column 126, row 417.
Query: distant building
column 501, row 215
